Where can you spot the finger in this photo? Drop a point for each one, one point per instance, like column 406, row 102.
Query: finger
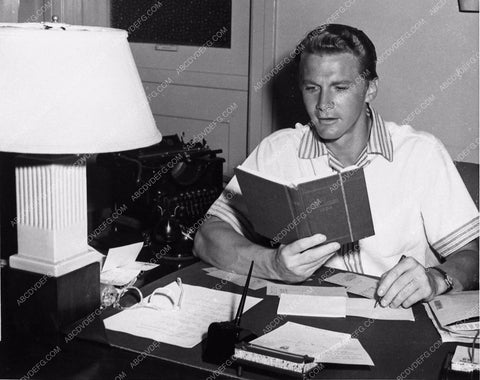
column 388, row 278
column 318, row 255
column 313, row 266
column 301, row 245
column 416, row 296
column 309, row 261
column 395, row 288
column 404, row 293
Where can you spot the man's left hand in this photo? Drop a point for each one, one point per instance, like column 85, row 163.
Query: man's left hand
column 407, row 283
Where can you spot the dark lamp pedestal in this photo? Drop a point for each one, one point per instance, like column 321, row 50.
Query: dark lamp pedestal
column 39, row 305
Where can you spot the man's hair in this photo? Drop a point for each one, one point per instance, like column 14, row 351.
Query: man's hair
column 336, row 39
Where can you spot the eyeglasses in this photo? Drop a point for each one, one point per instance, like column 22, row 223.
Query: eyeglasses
column 125, row 295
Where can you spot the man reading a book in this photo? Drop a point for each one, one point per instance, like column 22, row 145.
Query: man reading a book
column 419, row 204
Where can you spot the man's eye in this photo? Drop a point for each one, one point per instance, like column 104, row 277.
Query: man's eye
column 342, row 88
column 310, row 88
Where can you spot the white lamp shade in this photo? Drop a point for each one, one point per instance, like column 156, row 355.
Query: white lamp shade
column 70, row 89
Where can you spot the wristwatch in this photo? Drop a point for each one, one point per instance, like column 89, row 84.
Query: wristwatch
column 448, row 280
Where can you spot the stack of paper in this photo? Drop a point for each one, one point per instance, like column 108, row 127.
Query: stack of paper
column 456, row 316
column 339, row 307
column 324, row 346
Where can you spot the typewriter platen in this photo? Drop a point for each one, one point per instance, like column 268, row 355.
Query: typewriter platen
column 164, row 192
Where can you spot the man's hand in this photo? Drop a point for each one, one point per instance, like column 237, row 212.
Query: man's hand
column 297, row 261
column 407, row 283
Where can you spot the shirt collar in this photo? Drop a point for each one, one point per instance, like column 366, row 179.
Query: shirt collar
column 379, row 142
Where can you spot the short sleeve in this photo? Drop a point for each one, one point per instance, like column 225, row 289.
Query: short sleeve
column 230, row 206
column 231, row 209
column 449, row 214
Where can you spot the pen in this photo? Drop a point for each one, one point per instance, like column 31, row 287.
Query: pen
column 238, row 317
column 379, row 299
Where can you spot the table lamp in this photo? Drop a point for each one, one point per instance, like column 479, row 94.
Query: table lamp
column 66, row 90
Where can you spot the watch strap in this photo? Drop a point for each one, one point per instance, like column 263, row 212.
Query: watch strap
column 448, row 280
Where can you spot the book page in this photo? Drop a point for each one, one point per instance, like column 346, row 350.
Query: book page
column 184, row 327
column 324, row 345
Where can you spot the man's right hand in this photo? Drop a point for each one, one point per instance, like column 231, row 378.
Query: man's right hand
column 297, row 261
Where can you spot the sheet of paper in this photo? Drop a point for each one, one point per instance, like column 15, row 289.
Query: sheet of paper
column 121, row 256
column 454, row 307
column 461, row 359
column 324, row 345
column 355, row 283
column 238, row 279
column 464, row 326
column 185, row 327
column 274, row 289
column 142, row 266
column 312, row 306
column 361, row 307
column 451, row 336
column 121, row 276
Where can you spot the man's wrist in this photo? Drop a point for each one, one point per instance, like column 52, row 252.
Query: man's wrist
column 443, row 282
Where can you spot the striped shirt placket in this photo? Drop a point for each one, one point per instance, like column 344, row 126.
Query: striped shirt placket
column 379, row 142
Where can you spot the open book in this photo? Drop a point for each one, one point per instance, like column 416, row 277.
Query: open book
column 336, row 206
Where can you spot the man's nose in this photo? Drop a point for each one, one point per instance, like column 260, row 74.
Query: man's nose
column 324, row 102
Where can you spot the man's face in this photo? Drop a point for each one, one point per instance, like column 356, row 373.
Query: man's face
column 334, row 93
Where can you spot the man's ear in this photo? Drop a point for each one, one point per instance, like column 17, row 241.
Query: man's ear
column 371, row 90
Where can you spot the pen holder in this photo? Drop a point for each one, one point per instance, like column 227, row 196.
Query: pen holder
column 221, row 340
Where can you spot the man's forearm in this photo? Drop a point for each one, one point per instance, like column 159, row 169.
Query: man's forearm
column 220, row 245
column 462, row 266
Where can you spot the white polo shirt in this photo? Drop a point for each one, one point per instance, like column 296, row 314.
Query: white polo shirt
column 419, row 203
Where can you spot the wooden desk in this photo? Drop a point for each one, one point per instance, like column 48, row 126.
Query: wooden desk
column 396, row 347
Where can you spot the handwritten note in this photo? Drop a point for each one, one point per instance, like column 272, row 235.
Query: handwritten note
column 324, row 345
column 274, row 289
column 312, row 306
column 355, row 283
column 361, row 307
column 185, row 327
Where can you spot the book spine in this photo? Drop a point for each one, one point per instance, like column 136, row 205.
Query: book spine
column 347, row 212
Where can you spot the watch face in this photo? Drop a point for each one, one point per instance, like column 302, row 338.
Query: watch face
column 449, row 281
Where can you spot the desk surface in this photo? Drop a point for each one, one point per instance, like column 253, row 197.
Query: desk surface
column 398, row 348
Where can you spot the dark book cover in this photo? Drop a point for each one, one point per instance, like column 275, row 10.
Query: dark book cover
column 336, row 206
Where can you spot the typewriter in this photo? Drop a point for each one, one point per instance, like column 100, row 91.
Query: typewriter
column 161, row 193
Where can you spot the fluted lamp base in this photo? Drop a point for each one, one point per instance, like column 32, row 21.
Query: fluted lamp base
column 52, row 215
